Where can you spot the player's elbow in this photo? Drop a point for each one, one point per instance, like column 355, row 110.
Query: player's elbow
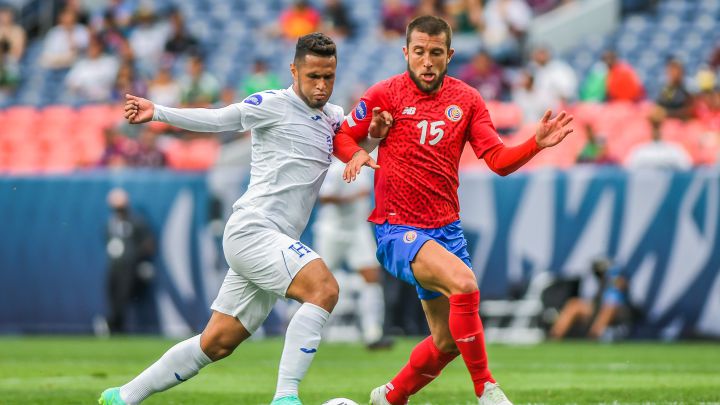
column 502, row 171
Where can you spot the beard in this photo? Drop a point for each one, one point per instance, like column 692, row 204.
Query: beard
column 427, row 87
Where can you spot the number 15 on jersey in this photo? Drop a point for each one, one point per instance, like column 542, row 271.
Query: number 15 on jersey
column 436, row 133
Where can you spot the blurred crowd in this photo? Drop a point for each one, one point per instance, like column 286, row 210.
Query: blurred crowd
column 124, row 46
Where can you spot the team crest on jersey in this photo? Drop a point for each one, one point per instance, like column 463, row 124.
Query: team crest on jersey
column 409, row 236
column 255, row 99
column 361, row 110
column 454, row 113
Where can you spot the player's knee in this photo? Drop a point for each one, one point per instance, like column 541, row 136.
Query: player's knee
column 326, row 295
column 216, row 346
column 465, row 285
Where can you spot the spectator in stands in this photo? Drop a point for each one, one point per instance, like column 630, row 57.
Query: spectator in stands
column 64, row 42
column 505, row 25
column 128, row 82
column 130, row 249
column 199, row 88
column 117, row 149
column 12, row 34
column 610, row 306
column 113, row 37
column 299, row 19
column 465, row 16
column 594, row 87
column 706, row 107
column 659, row 154
column 260, row 79
column 9, row 73
column 431, row 7
column 146, row 152
column 181, row 42
column 92, row 78
column 336, row 21
column 595, row 149
column 483, row 74
column 164, row 89
column 623, row 84
column 553, row 77
column 396, row 15
column 119, row 12
column 532, row 102
column 147, row 41
column 674, row 97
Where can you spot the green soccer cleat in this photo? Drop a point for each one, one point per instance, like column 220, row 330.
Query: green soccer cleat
column 288, row 400
column 111, row 396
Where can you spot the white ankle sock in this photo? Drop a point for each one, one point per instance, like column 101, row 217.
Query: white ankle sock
column 301, row 342
column 180, row 363
column 372, row 311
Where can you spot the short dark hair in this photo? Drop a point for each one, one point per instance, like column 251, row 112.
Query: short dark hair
column 431, row 25
column 316, row 44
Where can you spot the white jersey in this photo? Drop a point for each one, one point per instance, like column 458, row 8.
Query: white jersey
column 291, row 151
column 346, row 216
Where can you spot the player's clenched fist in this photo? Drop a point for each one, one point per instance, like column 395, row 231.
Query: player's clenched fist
column 138, row 109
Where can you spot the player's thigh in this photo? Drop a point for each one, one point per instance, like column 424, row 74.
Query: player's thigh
column 267, row 258
column 239, row 298
column 437, row 313
column 314, row 283
column 437, row 269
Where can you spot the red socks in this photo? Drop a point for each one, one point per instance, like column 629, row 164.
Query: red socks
column 466, row 328
column 426, row 363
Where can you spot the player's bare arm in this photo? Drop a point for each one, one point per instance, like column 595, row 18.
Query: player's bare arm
column 138, row 110
column 551, row 132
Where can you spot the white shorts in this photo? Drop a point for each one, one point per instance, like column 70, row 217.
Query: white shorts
column 263, row 263
column 356, row 248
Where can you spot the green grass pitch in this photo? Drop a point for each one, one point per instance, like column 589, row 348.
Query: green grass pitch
column 74, row 370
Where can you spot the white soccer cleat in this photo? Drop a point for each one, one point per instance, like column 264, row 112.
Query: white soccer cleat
column 493, row 395
column 377, row 396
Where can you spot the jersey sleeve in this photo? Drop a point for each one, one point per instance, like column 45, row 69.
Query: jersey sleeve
column 355, row 127
column 253, row 112
column 482, row 133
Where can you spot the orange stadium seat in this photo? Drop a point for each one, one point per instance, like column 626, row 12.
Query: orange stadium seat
column 505, row 115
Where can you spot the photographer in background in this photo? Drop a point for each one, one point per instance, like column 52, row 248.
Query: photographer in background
column 130, row 247
column 608, row 307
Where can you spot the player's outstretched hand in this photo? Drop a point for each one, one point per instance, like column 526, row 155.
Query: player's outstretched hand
column 138, row 109
column 380, row 124
column 551, row 132
column 352, row 169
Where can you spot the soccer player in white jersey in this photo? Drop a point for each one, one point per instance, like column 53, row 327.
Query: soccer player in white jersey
column 343, row 235
column 292, row 134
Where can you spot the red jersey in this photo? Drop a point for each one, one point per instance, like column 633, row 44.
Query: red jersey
column 417, row 181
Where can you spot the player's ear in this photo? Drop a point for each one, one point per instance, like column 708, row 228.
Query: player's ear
column 451, row 52
column 294, row 72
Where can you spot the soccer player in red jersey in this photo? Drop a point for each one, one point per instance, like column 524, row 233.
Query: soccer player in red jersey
column 425, row 118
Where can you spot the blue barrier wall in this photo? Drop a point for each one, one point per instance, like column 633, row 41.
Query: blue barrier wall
column 662, row 227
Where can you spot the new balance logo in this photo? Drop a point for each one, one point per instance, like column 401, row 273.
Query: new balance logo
column 408, row 111
column 308, row 351
column 466, row 340
column 177, row 376
column 430, row 375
